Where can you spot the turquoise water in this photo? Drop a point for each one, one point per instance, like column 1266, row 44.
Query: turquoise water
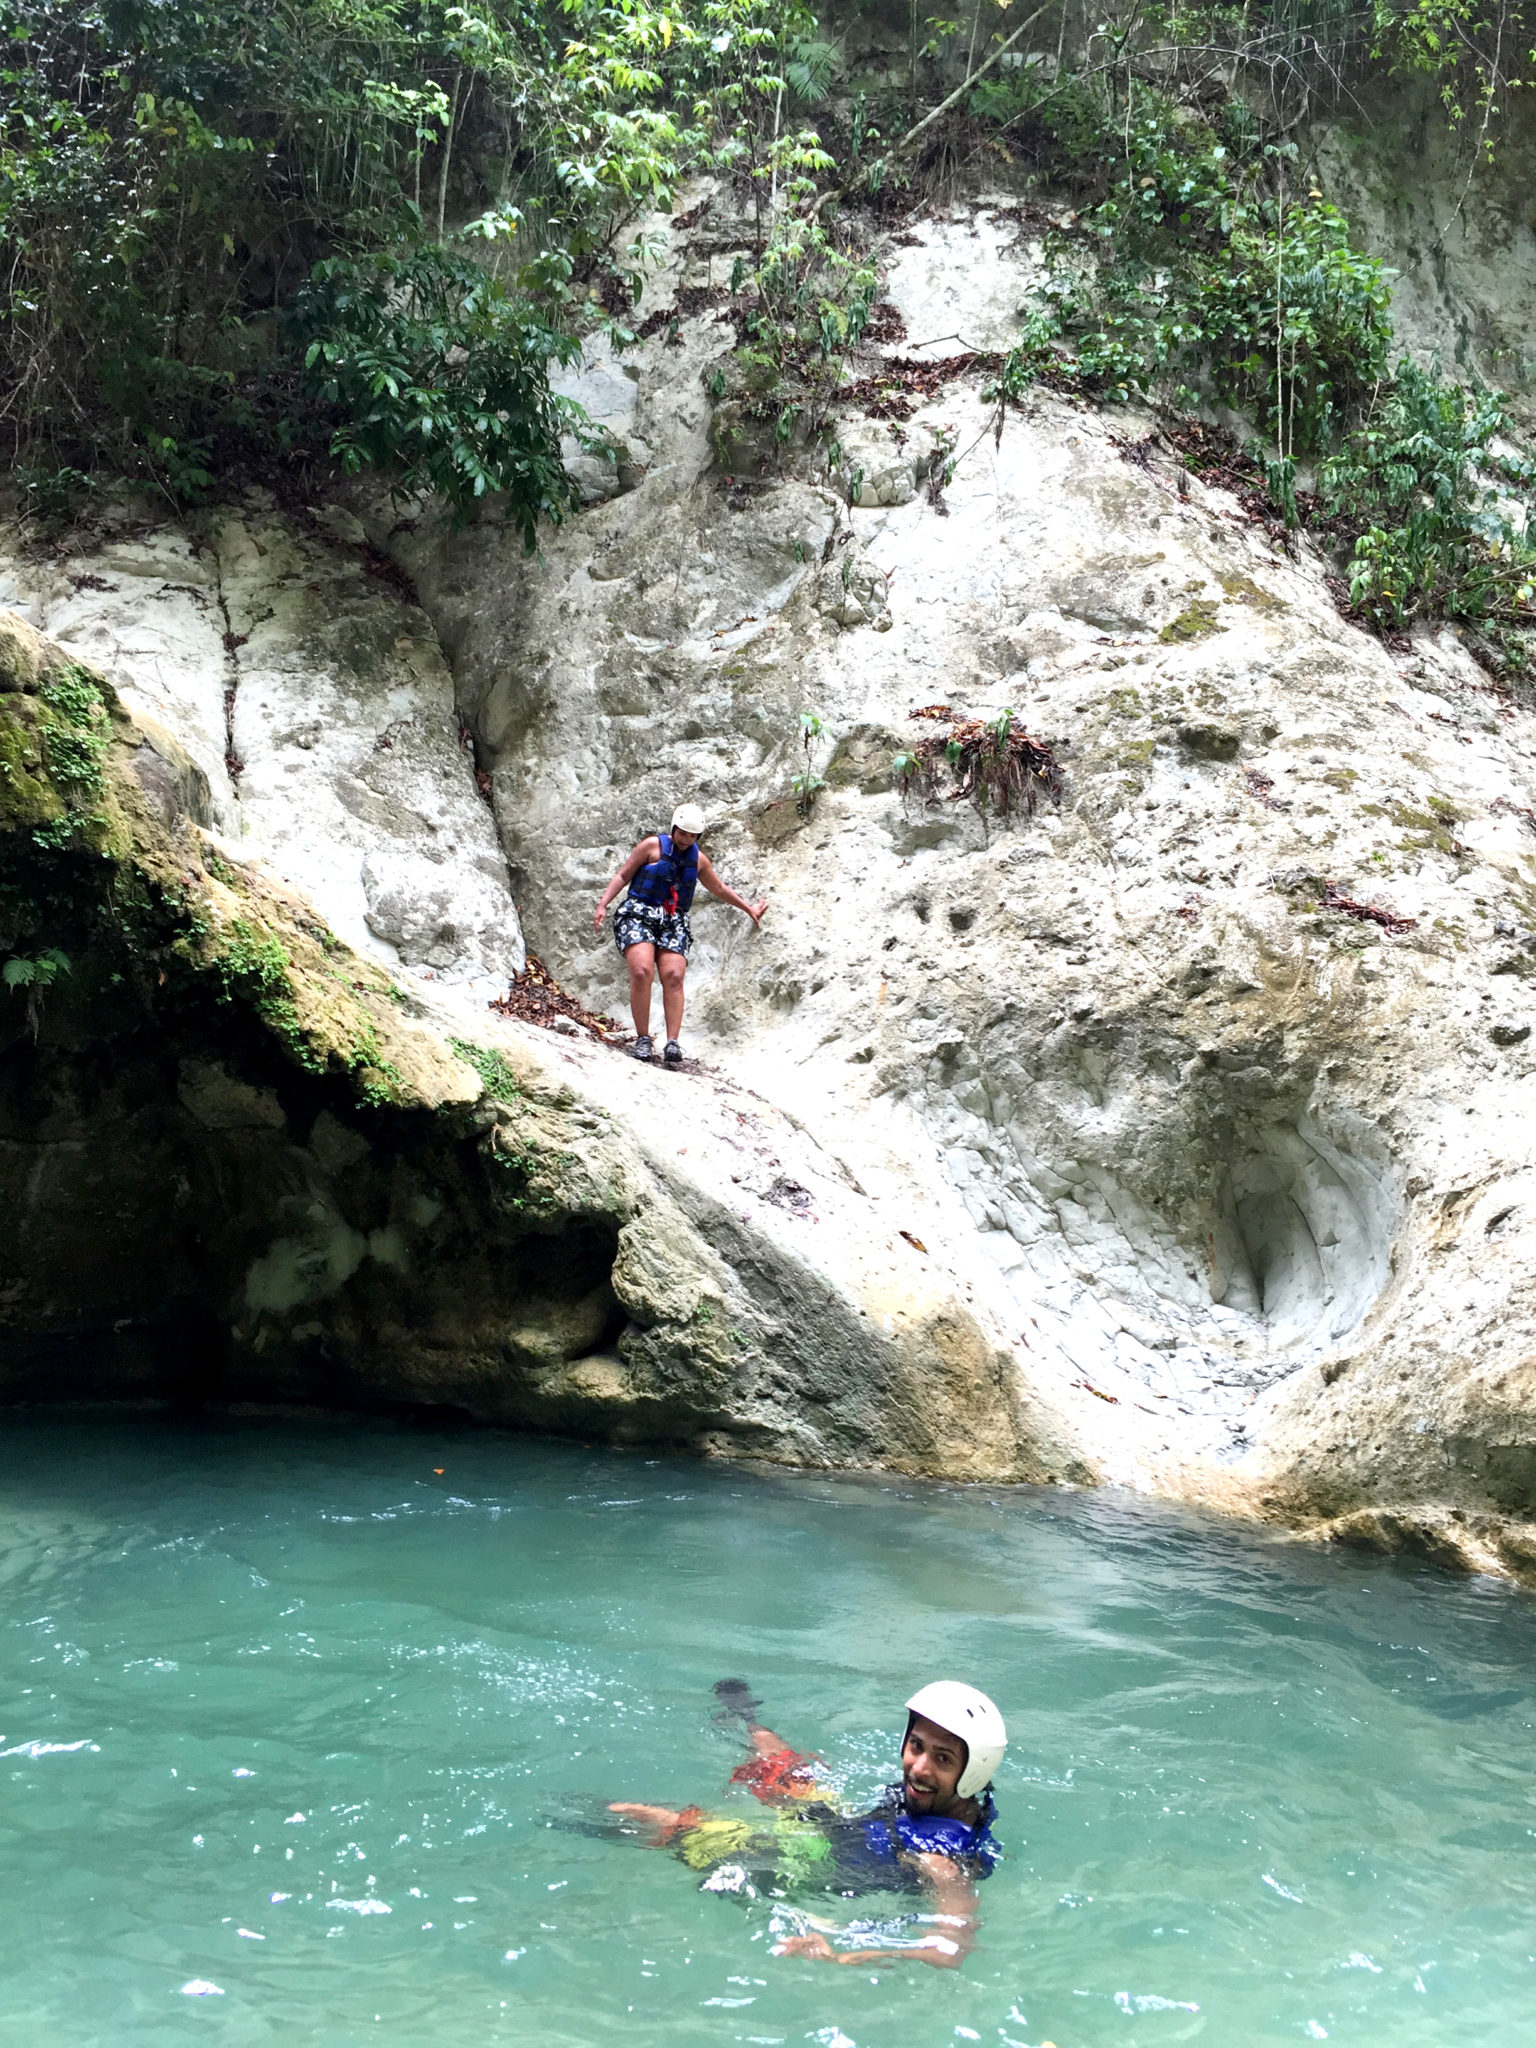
column 283, row 1714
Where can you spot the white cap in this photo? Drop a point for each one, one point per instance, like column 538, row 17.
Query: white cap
column 689, row 818
column 962, row 1710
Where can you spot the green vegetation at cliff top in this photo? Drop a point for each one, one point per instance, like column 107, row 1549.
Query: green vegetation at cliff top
column 250, row 239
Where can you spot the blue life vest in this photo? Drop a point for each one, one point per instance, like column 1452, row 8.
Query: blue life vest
column 668, row 883
column 893, row 1829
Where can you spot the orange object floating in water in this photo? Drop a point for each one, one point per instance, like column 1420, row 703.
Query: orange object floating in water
column 437, row 1471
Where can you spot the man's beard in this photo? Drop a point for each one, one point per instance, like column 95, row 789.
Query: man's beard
column 915, row 1801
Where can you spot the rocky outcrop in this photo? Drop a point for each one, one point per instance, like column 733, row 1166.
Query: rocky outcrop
column 1206, row 1059
column 1176, row 1136
column 291, row 664
column 238, row 1162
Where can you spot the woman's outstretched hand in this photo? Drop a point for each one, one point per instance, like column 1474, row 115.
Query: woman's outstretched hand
column 755, row 911
column 598, row 915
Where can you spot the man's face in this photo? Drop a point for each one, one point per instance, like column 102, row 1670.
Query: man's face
column 931, row 1763
column 682, row 840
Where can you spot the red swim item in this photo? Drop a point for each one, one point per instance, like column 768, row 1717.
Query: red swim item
column 781, row 1774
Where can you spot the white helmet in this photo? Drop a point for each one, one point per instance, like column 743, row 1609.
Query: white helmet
column 962, row 1710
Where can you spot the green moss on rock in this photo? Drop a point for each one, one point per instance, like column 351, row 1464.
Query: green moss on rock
column 28, row 799
column 88, row 864
column 1193, row 622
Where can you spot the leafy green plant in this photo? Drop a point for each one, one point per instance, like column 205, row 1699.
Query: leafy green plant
column 492, row 1067
column 34, row 976
column 809, row 782
column 252, row 965
column 1439, row 514
column 441, row 375
column 77, row 737
column 808, row 301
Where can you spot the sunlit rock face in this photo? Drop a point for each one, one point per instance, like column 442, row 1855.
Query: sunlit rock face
column 1185, row 1126
column 314, row 697
column 1197, row 1107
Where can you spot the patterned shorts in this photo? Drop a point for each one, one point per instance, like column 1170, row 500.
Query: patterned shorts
column 647, row 924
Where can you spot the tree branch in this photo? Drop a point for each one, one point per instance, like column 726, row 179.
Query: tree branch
column 969, row 80
column 921, row 127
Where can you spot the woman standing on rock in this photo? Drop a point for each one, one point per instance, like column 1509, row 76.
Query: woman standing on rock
column 651, row 927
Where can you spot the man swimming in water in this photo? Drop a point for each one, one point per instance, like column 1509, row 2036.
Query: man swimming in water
column 932, row 1832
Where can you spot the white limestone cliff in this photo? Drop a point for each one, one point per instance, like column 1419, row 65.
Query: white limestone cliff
column 1235, row 1181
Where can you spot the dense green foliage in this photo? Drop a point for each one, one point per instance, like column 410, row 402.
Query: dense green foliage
column 256, row 236
column 440, row 373
column 1440, row 504
column 1202, row 265
column 1196, row 264
column 257, row 232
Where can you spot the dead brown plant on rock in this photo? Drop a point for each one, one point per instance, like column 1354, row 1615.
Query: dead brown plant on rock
column 993, row 763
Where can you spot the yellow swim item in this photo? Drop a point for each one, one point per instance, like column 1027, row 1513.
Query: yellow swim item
column 715, row 1840
column 794, row 1845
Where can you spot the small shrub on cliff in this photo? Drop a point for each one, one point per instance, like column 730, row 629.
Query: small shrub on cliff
column 1193, row 262
column 34, row 977
column 1439, row 512
column 440, row 376
column 809, row 782
column 990, row 762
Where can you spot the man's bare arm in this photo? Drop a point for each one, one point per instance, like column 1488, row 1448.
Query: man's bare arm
column 955, row 1897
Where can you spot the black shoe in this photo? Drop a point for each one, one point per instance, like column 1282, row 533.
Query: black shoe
column 673, row 1056
column 642, row 1047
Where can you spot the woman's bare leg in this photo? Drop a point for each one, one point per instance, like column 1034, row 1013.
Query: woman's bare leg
column 671, row 967
column 640, row 959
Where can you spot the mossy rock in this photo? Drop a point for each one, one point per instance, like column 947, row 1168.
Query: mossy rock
column 28, row 798
column 1243, row 590
column 863, row 759
column 1207, row 741
column 94, row 864
column 24, row 653
column 740, row 442
column 1194, row 622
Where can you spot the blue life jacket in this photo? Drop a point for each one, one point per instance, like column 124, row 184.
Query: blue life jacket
column 668, row 883
column 893, row 1829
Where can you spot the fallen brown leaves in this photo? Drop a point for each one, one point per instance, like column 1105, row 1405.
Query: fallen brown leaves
column 1335, row 899
column 904, row 383
column 993, row 762
column 535, row 997
column 691, row 300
